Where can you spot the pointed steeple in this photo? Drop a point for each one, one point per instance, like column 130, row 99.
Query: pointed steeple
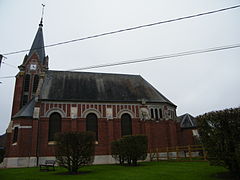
column 38, row 44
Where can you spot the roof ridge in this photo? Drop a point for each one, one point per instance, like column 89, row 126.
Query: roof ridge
column 166, row 99
column 84, row 86
column 94, row 73
column 187, row 117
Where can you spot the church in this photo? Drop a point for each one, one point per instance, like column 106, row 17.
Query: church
column 110, row 105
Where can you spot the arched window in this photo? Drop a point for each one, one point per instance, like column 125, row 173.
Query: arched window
column 92, row 124
column 156, row 114
column 25, row 90
column 160, row 113
column 126, row 124
column 26, row 83
column 152, row 113
column 35, row 83
column 15, row 135
column 54, row 126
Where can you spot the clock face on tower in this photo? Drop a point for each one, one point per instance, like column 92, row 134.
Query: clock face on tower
column 33, row 66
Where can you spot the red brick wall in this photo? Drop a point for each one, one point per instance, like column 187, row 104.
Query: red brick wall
column 160, row 134
column 185, row 136
column 17, row 94
column 110, row 130
column 24, row 142
column 20, row 81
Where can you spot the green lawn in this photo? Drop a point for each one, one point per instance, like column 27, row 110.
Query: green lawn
column 146, row 171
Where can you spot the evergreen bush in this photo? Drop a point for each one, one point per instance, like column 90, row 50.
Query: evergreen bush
column 220, row 134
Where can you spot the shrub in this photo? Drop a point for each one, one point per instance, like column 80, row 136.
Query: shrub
column 220, row 133
column 74, row 150
column 116, row 151
column 130, row 149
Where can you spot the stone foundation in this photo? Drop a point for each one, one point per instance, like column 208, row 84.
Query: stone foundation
column 18, row 162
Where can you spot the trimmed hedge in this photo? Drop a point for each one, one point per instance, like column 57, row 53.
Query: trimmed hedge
column 130, row 149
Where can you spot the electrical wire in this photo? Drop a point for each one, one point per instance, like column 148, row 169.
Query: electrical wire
column 127, row 29
column 185, row 53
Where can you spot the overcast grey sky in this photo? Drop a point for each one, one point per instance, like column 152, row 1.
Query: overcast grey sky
column 196, row 84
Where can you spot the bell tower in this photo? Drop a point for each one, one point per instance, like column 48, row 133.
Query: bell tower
column 32, row 70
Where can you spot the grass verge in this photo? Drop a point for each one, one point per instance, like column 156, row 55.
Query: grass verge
column 146, row 171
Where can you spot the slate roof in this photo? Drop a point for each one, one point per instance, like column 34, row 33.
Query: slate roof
column 38, row 44
column 26, row 110
column 187, row 121
column 98, row 87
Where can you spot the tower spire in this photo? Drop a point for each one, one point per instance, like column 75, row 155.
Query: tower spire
column 38, row 42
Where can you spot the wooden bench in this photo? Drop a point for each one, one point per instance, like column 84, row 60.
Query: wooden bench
column 48, row 165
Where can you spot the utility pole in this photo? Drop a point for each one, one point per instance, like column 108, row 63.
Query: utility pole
column 1, row 57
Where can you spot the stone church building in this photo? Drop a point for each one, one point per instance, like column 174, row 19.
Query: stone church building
column 110, row 105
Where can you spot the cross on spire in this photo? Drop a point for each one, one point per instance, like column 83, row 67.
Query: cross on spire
column 41, row 22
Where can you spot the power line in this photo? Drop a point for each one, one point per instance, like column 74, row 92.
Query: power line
column 185, row 53
column 128, row 29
